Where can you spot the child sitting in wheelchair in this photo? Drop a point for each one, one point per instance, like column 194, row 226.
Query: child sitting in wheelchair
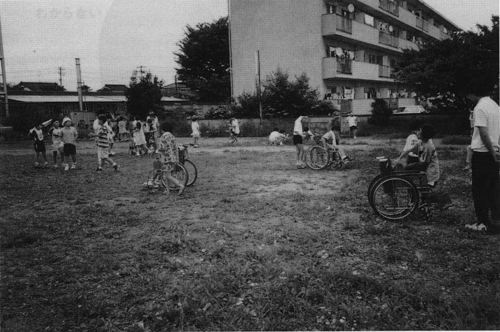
column 427, row 162
column 331, row 141
column 427, row 155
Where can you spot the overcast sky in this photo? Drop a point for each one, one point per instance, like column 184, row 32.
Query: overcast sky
column 113, row 38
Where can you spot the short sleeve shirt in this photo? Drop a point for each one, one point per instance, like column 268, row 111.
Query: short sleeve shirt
column 195, row 127
column 486, row 114
column 297, row 128
column 330, row 137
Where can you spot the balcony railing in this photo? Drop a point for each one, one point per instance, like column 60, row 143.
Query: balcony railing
column 344, row 66
column 390, row 6
column 422, row 24
column 388, row 39
column 344, row 24
column 385, row 71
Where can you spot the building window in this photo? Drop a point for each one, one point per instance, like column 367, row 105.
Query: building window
column 369, row 20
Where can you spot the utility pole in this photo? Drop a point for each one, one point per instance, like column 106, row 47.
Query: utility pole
column 259, row 92
column 60, row 76
column 3, row 92
column 79, row 84
column 142, row 71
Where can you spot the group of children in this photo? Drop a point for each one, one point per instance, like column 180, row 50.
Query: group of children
column 63, row 143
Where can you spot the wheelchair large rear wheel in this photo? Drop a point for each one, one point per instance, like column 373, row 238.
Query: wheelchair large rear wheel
column 394, row 197
column 318, row 157
column 192, row 172
column 371, row 186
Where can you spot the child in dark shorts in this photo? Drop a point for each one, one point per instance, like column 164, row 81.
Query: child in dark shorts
column 39, row 145
column 69, row 136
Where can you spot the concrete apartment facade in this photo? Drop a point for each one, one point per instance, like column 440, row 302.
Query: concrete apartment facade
column 346, row 48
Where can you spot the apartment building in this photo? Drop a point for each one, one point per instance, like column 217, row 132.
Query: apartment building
column 347, row 48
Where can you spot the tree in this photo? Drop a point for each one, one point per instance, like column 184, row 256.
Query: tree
column 284, row 98
column 446, row 71
column 144, row 94
column 204, row 60
column 381, row 112
column 86, row 88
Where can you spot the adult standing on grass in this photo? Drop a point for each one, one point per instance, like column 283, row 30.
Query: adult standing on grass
column 298, row 141
column 352, row 120
column 485, row 147
column 69, row 134
column 234, row 130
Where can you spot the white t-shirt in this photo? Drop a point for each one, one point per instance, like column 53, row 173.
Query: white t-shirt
column 297, row 128
column 486, row 114
column 236, row 126
column 276, row 136
column 352, row 120
column 411, row 141
column 330, row 137
column 195, row 127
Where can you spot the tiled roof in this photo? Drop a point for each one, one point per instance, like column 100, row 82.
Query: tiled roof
column 67, row 99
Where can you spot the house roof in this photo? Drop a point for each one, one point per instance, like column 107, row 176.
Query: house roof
column 37, row 86
column 74, row 99
column 67, row 99
column 179, row 85
column 114, row 87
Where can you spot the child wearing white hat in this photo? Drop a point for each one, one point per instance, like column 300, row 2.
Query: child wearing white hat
column 69, row 136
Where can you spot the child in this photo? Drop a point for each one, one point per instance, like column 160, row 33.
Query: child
column 103, row 145
column 169, row 154
column 234, row 130
column 57, row 143
column 111, row 124
column 154, row 129
column 411, row 141
column 122, row 129
column 139, row 139
column 353, row 124
column 427, row 155
column 195, row 127
column 39, row 145
column 298, row 141
column 308, row 134
column 277, row 137
column 330, row 142
column 68, row 136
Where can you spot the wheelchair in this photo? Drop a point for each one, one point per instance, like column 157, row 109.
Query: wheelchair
column 395, row 193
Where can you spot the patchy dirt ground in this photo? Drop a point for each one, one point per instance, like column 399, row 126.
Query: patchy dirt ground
column 255, row 244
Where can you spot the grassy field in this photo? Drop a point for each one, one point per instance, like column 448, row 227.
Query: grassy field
column 255, row 245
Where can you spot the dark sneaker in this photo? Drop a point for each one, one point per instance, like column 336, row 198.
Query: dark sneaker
column 98, row 170
column 115, row 167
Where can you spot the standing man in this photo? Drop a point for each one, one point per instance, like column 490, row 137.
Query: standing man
column 485, row 147
column 298, row 135
column 353, row 124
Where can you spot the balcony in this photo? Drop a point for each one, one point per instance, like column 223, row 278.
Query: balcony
column 390, row 6
column 344, row 24
column 333, row 68
column 385, row 71
column 388, row 39
column 422, row 24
